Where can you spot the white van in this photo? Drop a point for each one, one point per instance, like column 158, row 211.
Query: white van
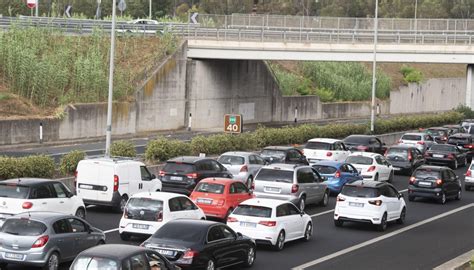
column 111, row 181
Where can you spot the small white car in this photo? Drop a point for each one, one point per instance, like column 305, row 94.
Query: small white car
column 146, row 212
column 34, row 194
column 270, row 221
column 369, row 202
column 372, row 166
column 469, row 179
column 325, row 149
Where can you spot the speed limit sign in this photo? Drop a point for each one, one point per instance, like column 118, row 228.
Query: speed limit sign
column 233, row 123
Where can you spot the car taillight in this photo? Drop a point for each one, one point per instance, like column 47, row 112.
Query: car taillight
column 409, row 156
column 268, row 223
column 412, row 180
column 451, row 156
column 362, row 148
column 444, row 138
column 116, row 182
column 468, row 173
column 27, row 205
column 439, row 182
column 470, row 146
column 338, row 174
column 159, row 216
column 294, row 188
column 192, row 175
column 220, row 202
column 371, row 169
column 189, row 254
column 422, row 143
column 328, row 154
column 244, row 169
column 40, row 242
column 253, row 186
column 340, row 199
column 232, row 219
column 376, row 202
column 161, row 173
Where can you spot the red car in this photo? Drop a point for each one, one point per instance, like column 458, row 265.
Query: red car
column 218, row 197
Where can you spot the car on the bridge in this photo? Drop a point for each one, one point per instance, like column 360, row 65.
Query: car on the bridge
column 298, row 184
column 146, row 212
column 111, row 181
column 318, row 149
column 45, row 239
column 469, row 178
column 369, row 202
column 365, row 143
column 337, row 174
column 121, row 257
column 440, row 134
column 421, row 141
column 182, row 174
column 273, row 222
column 283, row 154
column 435, row 182
column 464, row 142
column 243, row 165
column 404, row 158
column 202, row 244
column 372, row 166
column 446, row 155
column 218, row 197
column 35, row 194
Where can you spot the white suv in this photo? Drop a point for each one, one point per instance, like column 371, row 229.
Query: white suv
column 325, row 149
column 369, row 202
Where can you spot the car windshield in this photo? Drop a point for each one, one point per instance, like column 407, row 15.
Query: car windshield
column 318, row 146
column 210, row 188
column 23, row 227
column 411, row 137
column 443, row 148
column 361, row 160
column 360, row 191
column 458, row 140
column 357, row 139
column 177, row 167
column 145, row 203
column 275, row 175
column 435, row 132
column 273, row 153
column 253, row 211
column 95, row 263
column 231, row 160
column 427, row 173
column 322, row 169
column 397, row 152
column 184, row 233
column 9, row 190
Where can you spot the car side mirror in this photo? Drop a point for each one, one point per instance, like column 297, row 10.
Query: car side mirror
column 324, row 178
column 239, row 234
column 153, row 176
column 302, row 213
column 400, row 196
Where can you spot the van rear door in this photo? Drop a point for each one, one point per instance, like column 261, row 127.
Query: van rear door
column 106, row 182
column 95, row 180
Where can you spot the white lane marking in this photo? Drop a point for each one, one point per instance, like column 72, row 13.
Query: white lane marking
column 380, row 238
column 112, row 230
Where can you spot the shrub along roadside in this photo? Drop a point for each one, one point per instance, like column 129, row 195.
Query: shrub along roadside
column 68, row 163
column 123, row 149
column 31, row 166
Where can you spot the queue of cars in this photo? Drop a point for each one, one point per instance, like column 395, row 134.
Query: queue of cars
column 260, row 197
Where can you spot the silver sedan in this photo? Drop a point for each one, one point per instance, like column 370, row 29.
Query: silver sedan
column 243, row 165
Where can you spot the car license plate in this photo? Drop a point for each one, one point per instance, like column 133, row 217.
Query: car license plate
column 140, row 226
column 176, row 178
column 425, row 184
column 438, row 156
column 248, row 224
column 356, row 204
column 165, row 252
column 204, row 201
column 85, row 186
column 14, row 256
column 272, row 189
column 396, row 168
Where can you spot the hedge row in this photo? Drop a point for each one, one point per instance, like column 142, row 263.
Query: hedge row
column 31, row 166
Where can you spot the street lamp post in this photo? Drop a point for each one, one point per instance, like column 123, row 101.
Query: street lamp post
column 374, row 67
column 416, row 9
column 149, row 11
column 108, row 132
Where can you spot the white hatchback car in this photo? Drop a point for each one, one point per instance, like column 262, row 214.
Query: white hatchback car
column 469, row 177
column 325, row 149
column 270, row 221
column 372, row 166
column 369, row 202
column 146, row 212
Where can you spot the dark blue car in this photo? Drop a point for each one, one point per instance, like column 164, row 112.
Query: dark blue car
column 337, row 174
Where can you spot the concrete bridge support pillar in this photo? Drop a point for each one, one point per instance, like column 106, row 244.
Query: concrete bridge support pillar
column 470, row 86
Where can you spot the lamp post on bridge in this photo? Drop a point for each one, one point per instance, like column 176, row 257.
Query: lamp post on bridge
column 416, row 26
column 374, row 67
column 108, row 131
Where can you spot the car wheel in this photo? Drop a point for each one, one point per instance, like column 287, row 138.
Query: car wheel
column 249, row 181
column 324, row 201
column 376, row 177
column 228, row 214
column 53, row 262
column 390, row 178
column 210, row 265
column 122, row 203
column 411, row 198
column 302, row 203
column 338, row 223
column 101, row 242
column 442, row 200
column 280, row 243
column 383, row 223
column 81, row 212
column 459, row 195
column 401, row 219
column 308, row 233
column 125, row 236
column 251, row 255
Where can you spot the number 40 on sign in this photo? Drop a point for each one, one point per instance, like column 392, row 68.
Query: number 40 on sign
column 233, row 123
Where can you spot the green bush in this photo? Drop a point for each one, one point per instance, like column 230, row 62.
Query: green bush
column 9, row 167
column 411, row 74
column 465, row 110
column 325, row 95
column 68, row 163
column 41, row 166
column 163, row 149
column 291, row 83
column 123, row 149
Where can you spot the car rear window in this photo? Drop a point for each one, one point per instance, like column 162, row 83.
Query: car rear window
column 183, row 233
column 177, row 167
column 360, row 191
column 357, row 139
column 361, row 160
column 273, row 153
column 8, row 190
column 210, row 188
column 322, row 169
column 426, row 173
column 147, row 203
column 319, row 146
column 435, row 132
column 410, row 137
column 231, row 160
column 23, row 227
column 95, row 263
column 443, row 147
column 397, row 152
column 458, row 140
column 275, row 175
column 253, row 211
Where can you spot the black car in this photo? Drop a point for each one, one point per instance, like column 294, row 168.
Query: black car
column 464, row 142
column 202, row 244
column 404, row 158
column 283, row 154
column 181, row 174
column 365, row 143
column 120, row 257
column 453, row 129
column 446, row 154
column 440, row 134
column 440, row 183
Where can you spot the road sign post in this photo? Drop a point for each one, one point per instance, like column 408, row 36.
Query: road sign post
column 233, row 123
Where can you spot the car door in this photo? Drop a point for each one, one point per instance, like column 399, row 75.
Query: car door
column 64, row 201
column 219, row 170
column 221, row 245
column 176, row 211
column 65, row 239
column 338, row 152
column 418, row 156
column 188, row 208
column 345, row 152
column 241, row 193
column 386, row 199
column 45, row 198
column 283, row 217
column 82, row 238
column 355, row 174
column 297, row 220
column 253, row 165
column 381, row 168
column 139, row 262
column 398, row 205
column 452, row 183
column 306, row 184
column 295, row 157
column 146, row 183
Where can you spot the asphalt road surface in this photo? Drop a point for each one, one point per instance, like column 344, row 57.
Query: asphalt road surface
column 432, row 234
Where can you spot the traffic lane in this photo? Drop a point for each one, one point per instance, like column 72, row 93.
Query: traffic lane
column 424, row 247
